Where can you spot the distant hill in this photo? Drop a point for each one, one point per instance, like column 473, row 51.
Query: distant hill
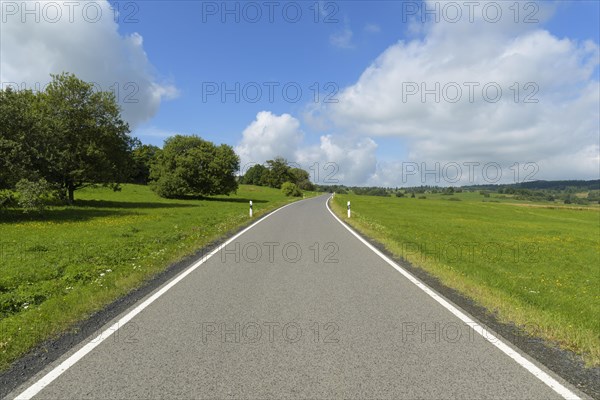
column 547, row 185
column 577, row 185
column 561, row 185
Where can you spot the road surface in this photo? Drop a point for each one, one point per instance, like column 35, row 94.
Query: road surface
column 295, row 307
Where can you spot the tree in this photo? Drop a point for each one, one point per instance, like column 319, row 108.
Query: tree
column 143, row 157
column 278, row 172
column 448, row 191
column 275, row 173
column 255, row 175
column 189, row 165
column 87, row 142
column 302, row 179
column 21, row 154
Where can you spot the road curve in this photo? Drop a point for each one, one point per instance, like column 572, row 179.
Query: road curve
column 295, row 307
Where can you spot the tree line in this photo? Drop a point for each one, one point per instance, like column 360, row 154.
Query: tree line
column 70, row 136
column 277, row 172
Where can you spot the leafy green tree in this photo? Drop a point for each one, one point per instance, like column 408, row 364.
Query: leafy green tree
column 21, row 143
column 255, row 175
column 143, row 157
column 298, row 175
column 278, row 173
column 87, row 142
column 302, row 179
column 191, row 166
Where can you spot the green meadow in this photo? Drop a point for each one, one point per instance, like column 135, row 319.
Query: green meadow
column 60, row 267
column 534, row 264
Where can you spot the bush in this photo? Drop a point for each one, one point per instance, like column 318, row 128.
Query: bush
column 32, row 195
column 399, row 194
column 170, row 185
column 306, row 185
column 7, row 199
column 422, row 197
column 580, row 201
column 290, row 189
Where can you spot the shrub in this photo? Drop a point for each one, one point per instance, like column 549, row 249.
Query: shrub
column 32, row 195
column 7, row 199
column 290, row 189
column 580, row 201
column 170, row 185
column 399, row 194
column 422, row 197
column 306, row 185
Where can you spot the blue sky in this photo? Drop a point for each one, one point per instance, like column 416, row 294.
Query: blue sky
column 189, row 52
column 168, row 55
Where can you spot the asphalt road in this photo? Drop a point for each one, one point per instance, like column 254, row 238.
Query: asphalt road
column 295, row 307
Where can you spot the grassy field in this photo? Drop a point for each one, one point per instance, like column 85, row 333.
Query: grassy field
column 534, row 264
column 58, row 268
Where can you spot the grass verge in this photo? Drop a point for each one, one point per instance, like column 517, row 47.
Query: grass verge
column 531, row 264
column 61, row 267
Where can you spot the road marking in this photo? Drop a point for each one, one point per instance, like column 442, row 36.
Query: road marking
column 69, row 362
column 522, row 361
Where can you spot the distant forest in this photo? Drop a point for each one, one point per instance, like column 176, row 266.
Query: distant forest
column 563, row 191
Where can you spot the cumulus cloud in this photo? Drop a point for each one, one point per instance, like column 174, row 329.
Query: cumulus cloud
column 334, row 160
column 269, row 136
column 431, row 92
column 340, row 160
column 82, row 38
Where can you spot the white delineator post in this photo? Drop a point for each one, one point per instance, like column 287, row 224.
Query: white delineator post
column 251, row 208
column 348, row 209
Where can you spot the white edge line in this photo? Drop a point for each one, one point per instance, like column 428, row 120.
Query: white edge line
column 79, row 354
column 522, row 361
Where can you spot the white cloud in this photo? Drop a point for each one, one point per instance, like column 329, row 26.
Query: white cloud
column 349, row 161
column 560, row 132
column 269, row 136
column 335, row 159
column 86, row 43
column 342, row 38
column 372, row 28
